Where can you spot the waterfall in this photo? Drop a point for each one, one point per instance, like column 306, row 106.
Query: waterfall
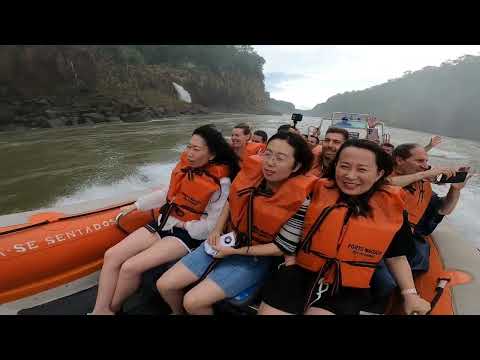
column 182, row 93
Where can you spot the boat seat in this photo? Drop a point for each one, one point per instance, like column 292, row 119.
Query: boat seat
column 247, row 297
column 246, row 301
column 249, row 300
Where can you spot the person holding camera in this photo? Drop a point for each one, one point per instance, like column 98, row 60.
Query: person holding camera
column 425, row 208
column 198, row 190
column 355, row 219
column 266, row 194
column 288, row 128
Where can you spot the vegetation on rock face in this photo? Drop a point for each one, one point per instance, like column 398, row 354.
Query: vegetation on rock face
column 444, row 99
column 217, row 58
column 131, row 81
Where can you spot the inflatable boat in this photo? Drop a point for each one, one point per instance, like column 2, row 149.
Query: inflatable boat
column 50, row 260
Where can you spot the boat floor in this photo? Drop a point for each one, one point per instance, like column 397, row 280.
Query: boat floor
column 146, row 301
column 83, row 302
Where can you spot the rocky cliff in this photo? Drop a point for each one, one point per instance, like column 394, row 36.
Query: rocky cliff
column 60, row 85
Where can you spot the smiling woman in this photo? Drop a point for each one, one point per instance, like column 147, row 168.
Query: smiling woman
column 266, row 193
column 198, row 188
column 353, row 222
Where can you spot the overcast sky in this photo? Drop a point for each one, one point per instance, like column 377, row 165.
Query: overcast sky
column 307, row 75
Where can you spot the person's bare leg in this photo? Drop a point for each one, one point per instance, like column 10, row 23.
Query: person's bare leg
column 114, row 257
column 266, row 309
column 161, row 252
column 200, row 299
column 171, row 285
column 318, row 311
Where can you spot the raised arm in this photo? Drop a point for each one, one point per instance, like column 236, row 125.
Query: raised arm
column 434, row 141
column 404, row 180
column 449, row 202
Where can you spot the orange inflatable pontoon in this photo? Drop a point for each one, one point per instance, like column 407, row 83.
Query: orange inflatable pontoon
column 53, row 248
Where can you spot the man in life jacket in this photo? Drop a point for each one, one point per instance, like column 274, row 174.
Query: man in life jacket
column 425, row 208
column 241, row 144
column 334, row 139
column 313, row 141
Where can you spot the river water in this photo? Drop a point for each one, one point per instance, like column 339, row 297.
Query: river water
column 54, row 167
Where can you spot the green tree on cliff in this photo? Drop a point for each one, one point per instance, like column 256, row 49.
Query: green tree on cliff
column 216, row 58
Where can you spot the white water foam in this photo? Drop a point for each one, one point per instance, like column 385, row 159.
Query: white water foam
column 447, row 154
column 465, row 215
column 180, row 148
column 148, row 176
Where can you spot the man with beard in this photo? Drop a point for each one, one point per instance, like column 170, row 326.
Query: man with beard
column 425, row 208
column 334, row 138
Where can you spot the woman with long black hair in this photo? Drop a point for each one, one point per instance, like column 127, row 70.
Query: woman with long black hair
column 354, row 221
column 199, row 187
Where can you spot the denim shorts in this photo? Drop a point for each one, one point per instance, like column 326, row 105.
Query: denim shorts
column 233, row 274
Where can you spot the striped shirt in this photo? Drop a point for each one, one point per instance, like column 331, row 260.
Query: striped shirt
column 290, row 234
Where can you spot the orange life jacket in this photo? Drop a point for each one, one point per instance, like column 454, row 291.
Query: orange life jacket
column 343, row 248
column 251, row 149
column 418, row 196
column 257, row 216
column 317, row 168
column 190, row 190
column 317, row 151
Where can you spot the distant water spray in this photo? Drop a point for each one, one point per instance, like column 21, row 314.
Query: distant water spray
column 145, row 177
column 182, row 93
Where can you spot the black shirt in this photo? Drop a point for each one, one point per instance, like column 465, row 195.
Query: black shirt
column 402, row 243
column 431, row 217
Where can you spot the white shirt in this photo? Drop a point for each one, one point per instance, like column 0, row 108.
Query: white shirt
column 197, row 229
